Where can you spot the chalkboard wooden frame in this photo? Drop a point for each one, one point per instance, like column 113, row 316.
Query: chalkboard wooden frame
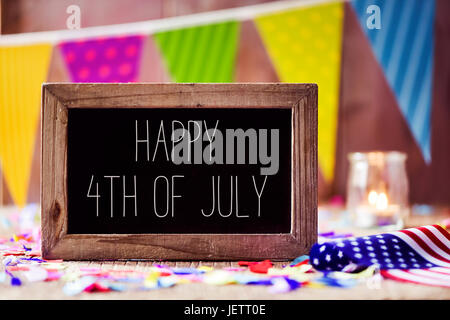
column 57, row 98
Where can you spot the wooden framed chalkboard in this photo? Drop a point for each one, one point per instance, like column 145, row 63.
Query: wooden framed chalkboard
column 178, row 171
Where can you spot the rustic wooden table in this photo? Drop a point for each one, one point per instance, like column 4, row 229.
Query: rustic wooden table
column 387, row 289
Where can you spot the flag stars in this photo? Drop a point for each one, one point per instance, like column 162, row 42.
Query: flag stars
column 383, row 250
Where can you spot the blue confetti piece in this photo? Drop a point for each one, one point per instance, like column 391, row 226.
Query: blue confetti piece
column 293, row 284
column 342, row 283
column 116, row 287
column 15, row 281
column 260, row 283
column 299, row 259
column 186, row 271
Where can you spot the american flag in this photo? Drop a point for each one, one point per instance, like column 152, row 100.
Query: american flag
column 417, row 255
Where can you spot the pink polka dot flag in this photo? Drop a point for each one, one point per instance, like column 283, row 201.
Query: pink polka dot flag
column 114, row 59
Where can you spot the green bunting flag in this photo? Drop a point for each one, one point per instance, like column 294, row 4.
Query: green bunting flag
column 200, row 54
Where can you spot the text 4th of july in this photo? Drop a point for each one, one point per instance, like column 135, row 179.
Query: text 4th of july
column 194, row 143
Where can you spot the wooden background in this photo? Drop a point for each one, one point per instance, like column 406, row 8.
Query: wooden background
column 368, row 115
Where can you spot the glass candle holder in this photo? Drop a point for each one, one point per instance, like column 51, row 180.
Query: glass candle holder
column 377, row 189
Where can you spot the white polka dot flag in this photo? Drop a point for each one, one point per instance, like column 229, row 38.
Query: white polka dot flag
column 417, row 255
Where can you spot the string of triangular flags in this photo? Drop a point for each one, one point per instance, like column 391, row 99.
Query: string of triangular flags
column 304, row 45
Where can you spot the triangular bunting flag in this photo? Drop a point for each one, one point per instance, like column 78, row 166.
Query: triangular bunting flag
column 200, row 54
column 24, row 69
column 114, row 59
column 402, row 42
column 305, row 46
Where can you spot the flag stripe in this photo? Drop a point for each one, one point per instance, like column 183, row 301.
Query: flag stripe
column 441, row 230
column 430, row 274
column 419, row 250
column 436, row 241
column 424, row 245
column 442, row 270
column 401, row 275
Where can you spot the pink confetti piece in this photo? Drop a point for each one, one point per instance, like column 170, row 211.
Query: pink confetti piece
column 96, row 287
column 53, row 276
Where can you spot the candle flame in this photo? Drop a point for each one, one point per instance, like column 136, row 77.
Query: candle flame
column 373, row 195
column 382, row 201
column 379, row 200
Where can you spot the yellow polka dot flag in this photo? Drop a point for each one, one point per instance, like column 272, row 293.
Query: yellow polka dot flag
column 305, row 46
column 24, row 68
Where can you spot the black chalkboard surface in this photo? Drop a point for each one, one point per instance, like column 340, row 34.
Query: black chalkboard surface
column 122, row 182
column 178, row 171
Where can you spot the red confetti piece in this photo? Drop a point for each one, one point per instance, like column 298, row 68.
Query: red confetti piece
column 246, row 263
column 14, row 268
column 261, row 267
column 33, row 253
column 13, row 252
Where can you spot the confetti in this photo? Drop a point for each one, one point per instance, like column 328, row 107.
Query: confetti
column 36, row 274
column 299, row 260
column 24, row 265
column 261, row 267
